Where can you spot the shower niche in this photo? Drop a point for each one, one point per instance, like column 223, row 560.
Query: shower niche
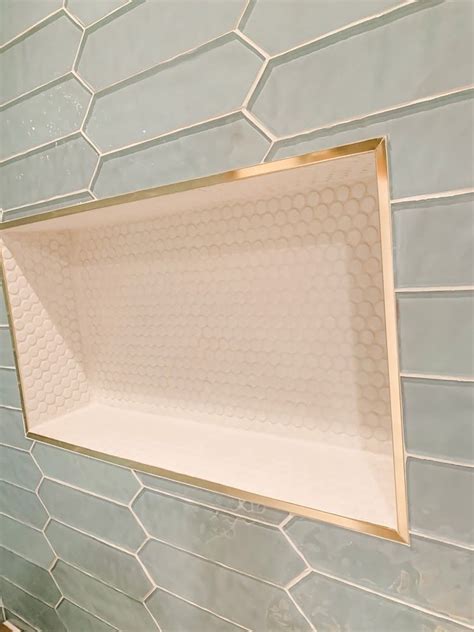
column 236, row 332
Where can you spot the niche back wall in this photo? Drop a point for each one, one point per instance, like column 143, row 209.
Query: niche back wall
column 110, row 96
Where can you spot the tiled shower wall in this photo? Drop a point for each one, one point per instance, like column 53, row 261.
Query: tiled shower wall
column 107, row 96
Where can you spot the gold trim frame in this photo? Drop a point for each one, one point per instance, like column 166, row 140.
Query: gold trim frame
column 378, row 146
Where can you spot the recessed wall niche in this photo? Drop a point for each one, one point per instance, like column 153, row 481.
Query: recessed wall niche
column 235, row 332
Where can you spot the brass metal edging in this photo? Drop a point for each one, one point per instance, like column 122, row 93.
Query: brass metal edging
column 378, row 146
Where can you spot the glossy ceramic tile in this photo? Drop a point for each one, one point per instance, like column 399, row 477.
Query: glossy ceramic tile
column 49, row 50
column 9, row 392
column 36, row 612
column 108, row 521
column 89, row 11
column 17, row 17
column 104, row 479
column 332, row 606
column 438, row 419
column 6, row 349
column 417, row 166
column 442, row 500
column 436, row 334
column 279, row 26
column 18, row 621
column 231, row 144
column 430, row 574
column 450, row 29
column 78, row 620
column 3, row 308
column 216, row 80
column 35, row 209
column 57, row 170
column 33, row 579
column 176, row 615
column 25, row 541
column 97, row 598
column 433, row 243
column 177, row 26
column 22, row 505
column 17, row 467
column 36, row 120
column 104, row 562
column 253, row 548
column 219, row 501
column 249, row 602
column 12, row 429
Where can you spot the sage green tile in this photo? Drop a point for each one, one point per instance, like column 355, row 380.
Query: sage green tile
column 78, row 620
column 208, row 149
column 6, row 349
column 215, row 79
column 433, row 243
column 19, row 622
column 22, row 505
column 429, row 574
column 436, row 37
column 34, row 579
column 3, row 308
column 104, row 562
column 219, row 501
column 25, row 541
column 279, row 26
column 176, row 615
column 12, row 429
column 251, row 547
column 102, row 518
column 33, row 610
column 332, row 606
column 127, row 44
column 89, row 11
column 108, row 604
column 35, row 209
column 19, row 16
column 438, row 419
column 17, row 467
column 62, row 168
column 242, row 599
column 45, row 116
column 105, row 479
column 436, row 333
column 416, row 165
column 46, row 54
column 9, row 391
column 442, row 500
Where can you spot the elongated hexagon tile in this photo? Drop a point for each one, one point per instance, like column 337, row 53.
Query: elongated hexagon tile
column 215, row 79
column 19, row 16
column 35, row 209
column 177, row 26
column 99, row 517
column 25, row 541
column 207, row 149
column 433, row 243
column 20, row 623
column 9, row 391
column 417, row 166
column 442, row 500
column 430, row 574
column 239, row 598
column 6, row 349
column 12, row 430
column 78, row 620
column 105, row 479
column 3, row 308
column 219, row 501
column 89, row 11
column 251, row 547
column 175, row 614
column 450, row 28
column 36, row 612
column 33, row 579
column 50, row 52
column 436, row 333
column 22, row 505
column 104, row 562
column 427, row 407
column 107, row 603
column 17, row 467
column 332, row 606
column 42, row 117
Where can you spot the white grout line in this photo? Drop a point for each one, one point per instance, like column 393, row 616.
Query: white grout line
column 94, row 175
column 14, row 612
column 36, row 90
column 91, row 143
column 307, row 571
column 254, row 84
column 251, row 43
column 23, row 589
column 285, row 521
column 32, row 150
column 32, row 27
column 83, row 82
column 45, row 201
column 81, row 607
column 447, row 288
column 7, row 368
column 105, row 17
column 434, row 459
column 433, row 196
column 73, row 18
column 259, row 125
column 85, row 491
column 151, row 615
column 438, row 540
column 7, row 407
column 300, row 610
column 444, row 378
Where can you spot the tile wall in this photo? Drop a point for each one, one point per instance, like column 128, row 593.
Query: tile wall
column 102, row 97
